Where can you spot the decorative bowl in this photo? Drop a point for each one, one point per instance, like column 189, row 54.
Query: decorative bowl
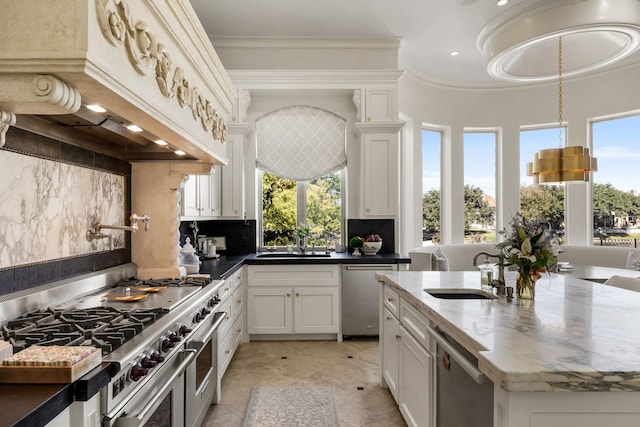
column 371, row 248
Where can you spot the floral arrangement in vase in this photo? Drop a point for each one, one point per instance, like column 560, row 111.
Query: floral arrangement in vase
column 303, row 233
column 528, row 246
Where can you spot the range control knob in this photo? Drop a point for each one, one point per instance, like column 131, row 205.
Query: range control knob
column 147, row 362
column 184, row 330
column 169, row 341
column 138, row 371
column 157, row 357
column 199, row 317
column 205, row 311
column 214, row 301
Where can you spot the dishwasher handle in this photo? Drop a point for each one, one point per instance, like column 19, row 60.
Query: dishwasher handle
column 467, row 366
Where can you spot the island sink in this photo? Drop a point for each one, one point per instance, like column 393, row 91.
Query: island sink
column 455, row 293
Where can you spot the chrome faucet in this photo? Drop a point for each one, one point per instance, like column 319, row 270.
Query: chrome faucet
column 498, row 283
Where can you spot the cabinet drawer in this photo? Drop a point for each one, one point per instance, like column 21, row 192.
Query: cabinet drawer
column 415, row 323
column 225, row 290
column 225, row 352
column 225, row 326
column 392, row 301
column 237, row 300
column 293, row 275
column 236, row 333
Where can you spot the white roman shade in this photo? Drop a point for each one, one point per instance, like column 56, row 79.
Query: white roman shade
column 301, row 142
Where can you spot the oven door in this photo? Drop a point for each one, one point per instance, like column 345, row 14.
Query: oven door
column 201, row 376
column 160, row 403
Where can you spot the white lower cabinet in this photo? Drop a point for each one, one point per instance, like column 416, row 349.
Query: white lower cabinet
column 231, row 330
column 391, row 352
column 407, row 360
column 415, row 378
column 309, row 305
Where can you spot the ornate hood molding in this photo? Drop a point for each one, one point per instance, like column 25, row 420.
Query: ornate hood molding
column 148, row 62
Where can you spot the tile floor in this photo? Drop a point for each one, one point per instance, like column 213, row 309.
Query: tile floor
column 345, row 366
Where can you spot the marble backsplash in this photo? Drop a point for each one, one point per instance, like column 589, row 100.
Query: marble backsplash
column 48, row 206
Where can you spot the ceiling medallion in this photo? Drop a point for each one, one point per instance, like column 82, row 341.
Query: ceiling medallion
column 597, row 32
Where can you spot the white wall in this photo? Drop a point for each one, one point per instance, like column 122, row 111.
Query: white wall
column 508, row 110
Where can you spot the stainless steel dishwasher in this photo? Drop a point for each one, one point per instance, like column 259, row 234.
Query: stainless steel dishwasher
column 464, row 395
column 360, row 301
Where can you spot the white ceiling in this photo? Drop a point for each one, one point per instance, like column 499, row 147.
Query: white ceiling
column 429, row 29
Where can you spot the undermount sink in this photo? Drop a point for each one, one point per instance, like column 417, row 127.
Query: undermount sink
column 292, row 255
column 459, row 293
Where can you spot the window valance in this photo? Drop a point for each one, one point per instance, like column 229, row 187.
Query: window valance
column 301, row 142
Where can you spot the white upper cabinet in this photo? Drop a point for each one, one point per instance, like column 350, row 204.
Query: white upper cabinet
column 380, row 105
column 201, row 195
column 233, row 185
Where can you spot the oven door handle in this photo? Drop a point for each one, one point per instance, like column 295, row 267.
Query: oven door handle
column 198, row 344
column 467, row 366
column 138, row 419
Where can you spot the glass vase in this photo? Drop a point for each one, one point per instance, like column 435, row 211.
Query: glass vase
column 526, row 286
column 302, row 243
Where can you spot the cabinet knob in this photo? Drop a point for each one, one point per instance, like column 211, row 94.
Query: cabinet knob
column 297, row 294
column 368, row 118
column 239, row 301
column 389, row 318
column 398, row 337
column 238, row 330
column 390, row 299
column 288, row 295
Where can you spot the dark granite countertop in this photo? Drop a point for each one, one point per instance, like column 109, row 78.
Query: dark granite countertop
column 226, row 265
column 37, row 404
column 335, row 258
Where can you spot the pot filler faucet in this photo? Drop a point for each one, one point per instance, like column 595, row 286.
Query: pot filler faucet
column 97, row 233
column 498, row 283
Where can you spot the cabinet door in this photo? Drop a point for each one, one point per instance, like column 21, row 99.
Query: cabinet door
column 317, row 310
column 190, row 204
column 269, row 311
column 215, row 192
column 379, row 105
column 415, row 381
column 379, row 174
column 390, row 351
column 233, row 179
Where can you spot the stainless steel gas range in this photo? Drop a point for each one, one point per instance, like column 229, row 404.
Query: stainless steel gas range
column 158, row 336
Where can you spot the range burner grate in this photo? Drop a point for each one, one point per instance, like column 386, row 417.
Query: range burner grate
column 187, row 281
column 104, row 327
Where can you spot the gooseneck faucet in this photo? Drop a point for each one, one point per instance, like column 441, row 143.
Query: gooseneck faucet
column 499, row 282
column 97, row 233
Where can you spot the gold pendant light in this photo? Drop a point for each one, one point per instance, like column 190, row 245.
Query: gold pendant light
column 564, row 164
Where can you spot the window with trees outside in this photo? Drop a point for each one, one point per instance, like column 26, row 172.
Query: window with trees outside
column 479, row 187
column 541, row 202
column 288, row 204
column 616, row 205
column 431, row 147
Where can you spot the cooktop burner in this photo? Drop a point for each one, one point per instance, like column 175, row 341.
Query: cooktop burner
column 104, row 327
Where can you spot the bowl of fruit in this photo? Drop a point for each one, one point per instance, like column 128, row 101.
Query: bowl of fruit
column 372, row 244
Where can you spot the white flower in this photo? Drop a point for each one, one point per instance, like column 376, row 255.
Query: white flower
column 525, row 251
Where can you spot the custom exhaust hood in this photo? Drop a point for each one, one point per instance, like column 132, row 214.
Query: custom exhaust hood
column 147, row 63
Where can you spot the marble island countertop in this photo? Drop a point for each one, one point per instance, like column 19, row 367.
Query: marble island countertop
column 576, row 336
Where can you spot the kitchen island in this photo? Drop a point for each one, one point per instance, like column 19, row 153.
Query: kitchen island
column 571, row 357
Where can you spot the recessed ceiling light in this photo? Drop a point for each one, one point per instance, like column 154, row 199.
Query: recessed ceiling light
column 134, row 128
column 160, row 142
column 97, row 108
column 454, row 53
column 501, row 2
column 180, row 153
